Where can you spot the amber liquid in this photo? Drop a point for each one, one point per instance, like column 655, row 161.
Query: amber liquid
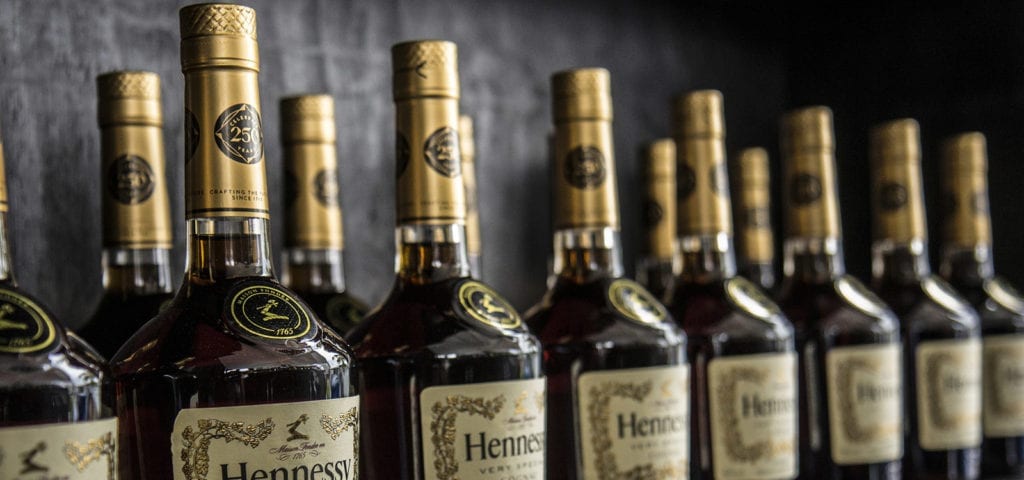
column 716, row 326
column 340, row 311
column 826, row 317
column 416, row 340
column 658, row 277
column 190, row 357
column 575, row 322
column 118, row 317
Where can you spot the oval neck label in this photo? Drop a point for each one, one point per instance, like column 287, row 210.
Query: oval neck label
column 24, row 326
column 635, row 302
column 483, row 304
column 268, row 312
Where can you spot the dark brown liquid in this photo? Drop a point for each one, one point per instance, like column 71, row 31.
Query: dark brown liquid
column 189, row 357
column 340, row 311
column 576, row 324
column 716, row 326
column 659, row 279
column 416, row 340
column 825, row 316
column 118, row 317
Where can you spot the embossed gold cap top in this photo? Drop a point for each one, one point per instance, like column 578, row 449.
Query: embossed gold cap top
column 752, row 168
column 308, row 119
column 700, row 114
column 217, row 34
column 425, row 68
column 661, row 157
column 129, row 97
column 808, row 128
column 965, row 152
column 582, row 94
column 896, row 140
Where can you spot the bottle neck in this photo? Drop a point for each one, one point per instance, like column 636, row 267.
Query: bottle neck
column 813, row 260
column 586, row 254
column 6, row 264
column 228, row 247
column 136, row 271
column 899, row 263
column 965, row 266
column 314, row 270
column 430, row 253
column 706, row 258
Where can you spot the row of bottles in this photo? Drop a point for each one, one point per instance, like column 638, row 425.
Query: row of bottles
column 240, row 376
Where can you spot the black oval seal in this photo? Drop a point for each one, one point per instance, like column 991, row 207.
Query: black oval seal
column 268, row 312
column 442, row 152
column 805, row 189
column 653, row 213
column 485, row 305
column 239, row 133
column 892, row 196
column 687, row 181
column 24, row 325
column 130, row 179
column 585, row 167
column 635, row 302
column 191, row 135
column 325, row 187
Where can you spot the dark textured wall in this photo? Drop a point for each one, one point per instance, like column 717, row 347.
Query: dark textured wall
column 51, row 51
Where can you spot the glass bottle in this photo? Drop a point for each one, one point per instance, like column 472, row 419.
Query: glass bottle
column 446, row 365
column 657, row 265
column 314, row 240
column 237, row 377
column 941, row 351
column 757, row 241
column 615, row 361
column 848, row 340
column 467, row 146
column 744, row 382
column 137, row 234
column 967, row 264
column 53, row 414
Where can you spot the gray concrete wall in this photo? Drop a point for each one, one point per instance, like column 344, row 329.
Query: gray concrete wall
column 51, row 52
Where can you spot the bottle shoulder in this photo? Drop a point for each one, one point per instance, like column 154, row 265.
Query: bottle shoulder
column 842, row 307
column 998, row 304
column 242, row 324
column 456, row 317
column 731, row 310
column 931, row 308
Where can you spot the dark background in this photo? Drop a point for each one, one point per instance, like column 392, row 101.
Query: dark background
column 956, row 67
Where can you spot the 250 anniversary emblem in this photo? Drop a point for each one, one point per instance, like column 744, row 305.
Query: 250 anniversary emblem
column 130, row 179
column 442, row 152
column 239, row 133
column 268, row 312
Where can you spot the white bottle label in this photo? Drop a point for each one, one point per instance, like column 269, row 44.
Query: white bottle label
column 82, row 450
column 1003, row 376
column 484, row 431
column 865, row 391
column 753, row 404
column 949, row 394
column 316, row 439
column 635, row 423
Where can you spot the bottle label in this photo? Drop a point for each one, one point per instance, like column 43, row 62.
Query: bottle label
column 483, row 431
column 634, row 302
column 316, row 439
column 483, row 304
column 1003, row 376
column 82, row 450
column 864, row 403
column 266, row 311
column 24, row 326
column 635, row 421
column 136, row 211
column 753, row 416
column 949, row 394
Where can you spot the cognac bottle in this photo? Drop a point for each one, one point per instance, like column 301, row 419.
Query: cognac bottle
column 137, row 234
column 657, row 265
column 237, row 377
column 618, row 393
column 941, row 348
column 54, row 419
column 756, row 246
column 314, row 241
column 967, row 264
column 744, row 380
column 450, row 377
column 848, row 340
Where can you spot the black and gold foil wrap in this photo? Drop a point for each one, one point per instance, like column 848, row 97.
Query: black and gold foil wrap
column 660, row 204
column 136, row 209
column 429, row 164
column 701, row 172
column 809, row 174
column 309, row 138
column 585, row 193
column 965, row 187
column 753, row 180
column 225, row 175
column 467, row 147
column 896, row 194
